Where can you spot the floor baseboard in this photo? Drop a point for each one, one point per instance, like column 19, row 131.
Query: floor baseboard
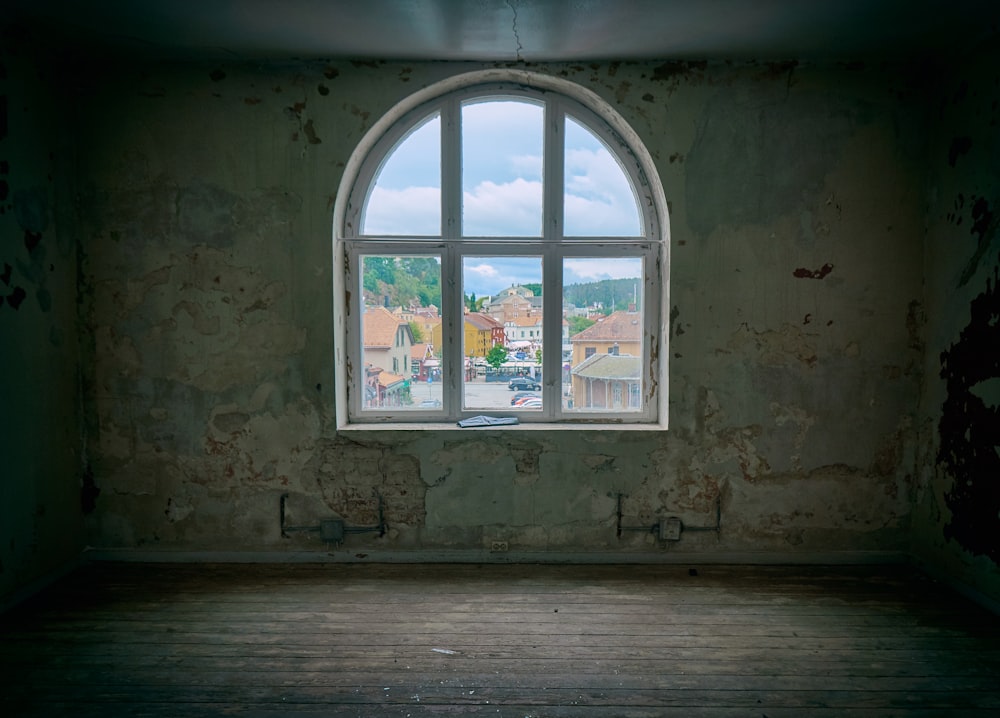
column 510, row 557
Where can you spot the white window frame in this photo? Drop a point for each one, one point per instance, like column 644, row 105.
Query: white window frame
column 561, row 98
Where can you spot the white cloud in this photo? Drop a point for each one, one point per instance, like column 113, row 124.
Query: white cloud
column 599, row 198
column 598, row 201
column 511, row 209
column 527, row 166
column 592, row 269
column 480, row 273
column 413, row 211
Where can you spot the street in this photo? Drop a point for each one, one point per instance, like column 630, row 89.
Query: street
column 479, row 394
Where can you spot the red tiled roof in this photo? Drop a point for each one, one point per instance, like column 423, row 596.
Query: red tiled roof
column 380, row 327
column 482, row 321
column 388, row 379
column 619, row 326
column 420, row 351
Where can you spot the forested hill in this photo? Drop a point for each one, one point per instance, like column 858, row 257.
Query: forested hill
column 611, row 293
column 398, row 281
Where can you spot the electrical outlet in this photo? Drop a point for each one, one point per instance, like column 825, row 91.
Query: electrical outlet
column 670, row 529
column 498, row 546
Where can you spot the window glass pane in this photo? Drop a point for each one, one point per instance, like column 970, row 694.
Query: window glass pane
column 401, row 332
column 406, row 196
column 502, row 169
column 598, row 199
column 502, row 342
column 602, row 334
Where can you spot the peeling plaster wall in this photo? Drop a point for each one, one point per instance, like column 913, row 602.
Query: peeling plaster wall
column 797, row 210
column 957, row 514
column 41, row 462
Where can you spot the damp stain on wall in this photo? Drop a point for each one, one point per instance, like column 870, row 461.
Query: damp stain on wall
column 985, row 223
column 970, row 426
column 959, row 146
column 31, row 212
column 804, row 273
column 89, row 492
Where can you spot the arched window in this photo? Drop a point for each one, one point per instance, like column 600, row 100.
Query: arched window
column 501, row 251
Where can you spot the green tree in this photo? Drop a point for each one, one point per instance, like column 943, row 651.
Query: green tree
column 379, row 270
column 578, row 324
column 420, row 266
column 425, row 284
column 405, row 290
column 403, row 279
column 611, row 293
column 497, row 356
column 418, row 333
column 534, row 287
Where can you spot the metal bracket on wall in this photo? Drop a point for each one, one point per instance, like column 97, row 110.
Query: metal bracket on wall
column 670, row 528
column 333, row 530
column 718, row 520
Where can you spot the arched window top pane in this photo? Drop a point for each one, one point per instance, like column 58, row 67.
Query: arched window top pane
column 599, row 200
column 405, row 198
column 502, row 150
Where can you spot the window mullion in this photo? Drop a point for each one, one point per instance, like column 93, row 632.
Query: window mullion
column 451, row 261
column 553, row 167
column 552, row 184
column 451, row 169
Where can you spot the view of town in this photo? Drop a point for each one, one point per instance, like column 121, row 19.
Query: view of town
column 601, row 335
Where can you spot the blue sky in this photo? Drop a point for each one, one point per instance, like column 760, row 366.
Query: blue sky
column 502, row 191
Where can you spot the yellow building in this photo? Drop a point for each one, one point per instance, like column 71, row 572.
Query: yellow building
column 481, row 334
column 621, row 329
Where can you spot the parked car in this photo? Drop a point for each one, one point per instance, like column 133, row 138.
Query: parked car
column 522, row 383
column 430, row 404
column 529, row 402
column 521, row 395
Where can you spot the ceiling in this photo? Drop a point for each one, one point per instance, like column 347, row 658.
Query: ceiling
column 514, row 30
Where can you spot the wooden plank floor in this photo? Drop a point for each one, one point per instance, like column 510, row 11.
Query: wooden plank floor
column 498, row 640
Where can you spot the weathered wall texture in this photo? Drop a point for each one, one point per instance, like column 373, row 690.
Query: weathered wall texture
column 41, row 525
column 958, row 503
column 796, row 288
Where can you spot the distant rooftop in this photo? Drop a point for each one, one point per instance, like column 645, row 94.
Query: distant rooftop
column 619, row 326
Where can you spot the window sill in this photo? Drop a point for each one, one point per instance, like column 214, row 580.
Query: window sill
column 530, row 427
